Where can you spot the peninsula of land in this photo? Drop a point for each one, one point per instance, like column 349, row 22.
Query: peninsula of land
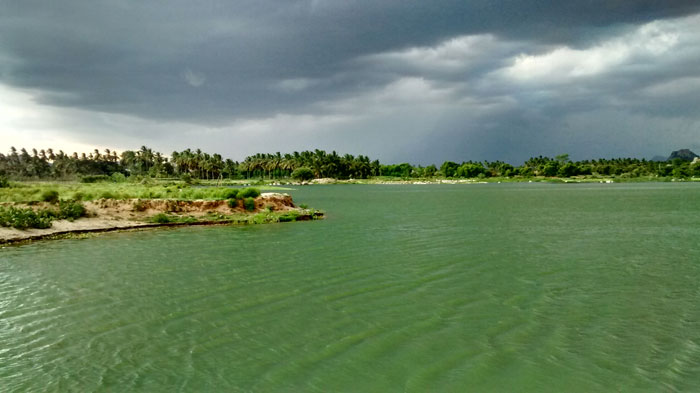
column 39, row 211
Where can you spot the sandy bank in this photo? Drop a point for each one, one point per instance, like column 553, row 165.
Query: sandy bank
column 106, row 215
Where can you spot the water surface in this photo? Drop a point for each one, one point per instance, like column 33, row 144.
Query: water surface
column 499, row 287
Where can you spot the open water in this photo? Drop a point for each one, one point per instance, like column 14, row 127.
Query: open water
column 423, row 288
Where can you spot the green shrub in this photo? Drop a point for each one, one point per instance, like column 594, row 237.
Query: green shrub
column 249, row 204
column 94, row 178
column 24, row 218
column 229, row 193
column 78, row 196
column 160, row 218
column 4, row 183
column 303, row 174
column 304, row 206
column 70, row 210
column 107, row 195
column 233, row 203
column 50, row 196
column 118, row 177
column 248, row 193
column 187, row 178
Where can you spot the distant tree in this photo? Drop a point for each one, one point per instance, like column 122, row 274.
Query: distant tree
column 303, row 174
column 430, row 170
column 568, row 170
column 448, row 168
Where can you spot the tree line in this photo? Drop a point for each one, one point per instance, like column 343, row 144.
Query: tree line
column 49, row 164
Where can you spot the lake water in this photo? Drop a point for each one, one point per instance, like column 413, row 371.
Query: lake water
column 498, row 287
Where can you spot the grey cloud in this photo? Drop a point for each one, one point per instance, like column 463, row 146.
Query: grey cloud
column 205, row 66
column 128, row 58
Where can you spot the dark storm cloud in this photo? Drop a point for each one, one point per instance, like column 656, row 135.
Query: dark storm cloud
column 133, row 59
column 501, row 75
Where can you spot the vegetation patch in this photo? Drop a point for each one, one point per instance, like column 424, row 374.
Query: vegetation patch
column 23, row 218
column 302, row 174
column 70, row 210
column 50, row 196
column 249, row 204
column 248, row 193
column 160, row 218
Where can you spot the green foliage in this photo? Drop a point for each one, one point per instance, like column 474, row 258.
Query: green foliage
column 107, row 195
column 23, row 218
column 302, row 174
column 230, row 193
column 4, row 183
column 161, row 218
column 401, row 170
column 248, row 193
column 449, row 168
column 680, row 173
column 70, row 210
column 249, row 203
column 551, row 168
column 289, row 216
column 143, row 164
column 187, row 178
column 118, row 177
column 233, row 203
column 569, row 169
column 470, row 170
column 50, row 196
column 95, row 178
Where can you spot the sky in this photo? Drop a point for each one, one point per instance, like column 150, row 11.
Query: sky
column 399, row 80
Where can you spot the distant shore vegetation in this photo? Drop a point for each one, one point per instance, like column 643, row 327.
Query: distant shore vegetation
column 194, row 165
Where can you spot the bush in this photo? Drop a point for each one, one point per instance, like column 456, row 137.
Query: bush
column 249, row 204
column 160, row 218
column 94, row 178
column 187, row 178
column 50, row 196
column 118, row 177
column 107, row 195
column 24, row 218
column 303, row 174
column 4, row 183
column 248, row 193
column 230, row 193
column 233, row 203
column 70, row 210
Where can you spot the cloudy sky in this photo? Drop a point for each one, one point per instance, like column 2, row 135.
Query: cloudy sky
column 399, row 80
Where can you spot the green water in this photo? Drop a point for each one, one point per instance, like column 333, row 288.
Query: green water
column 499, row 287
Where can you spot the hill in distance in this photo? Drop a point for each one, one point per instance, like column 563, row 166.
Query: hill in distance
column 683, row 154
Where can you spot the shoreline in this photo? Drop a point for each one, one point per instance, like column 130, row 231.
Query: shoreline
column 109, row 215
column 32, row 235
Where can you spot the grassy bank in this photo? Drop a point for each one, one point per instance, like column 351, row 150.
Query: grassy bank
column 26, row 205
column 35, row 191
